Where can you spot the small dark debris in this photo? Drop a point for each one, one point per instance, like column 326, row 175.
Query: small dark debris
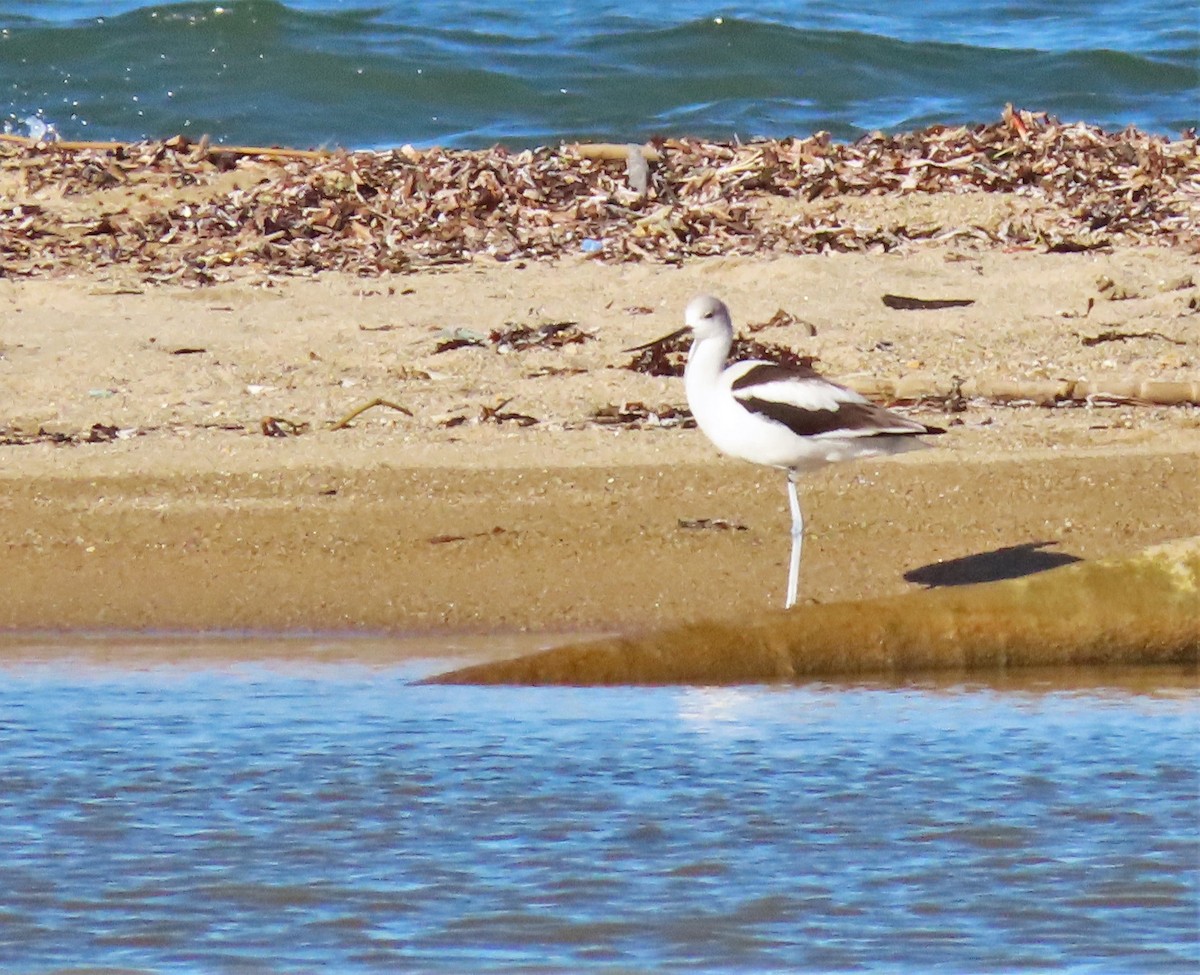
column 97, row 433
column 101, row 433
column 553, row 335
column 278, row 426
column 497, row 414
column 459, row 342
column 221, row 426
column 711, row 524
column 1115, row 336
column 109, row 224
column 956, row 402
column 638, row 416
column 782, row 319
column 952, row 402
column 16, row 438
column 410, row 374
column 1075, row 245
column 188, row 350
column 555, row 371
column 906, row 303
column 516, row 338
column 446, row 539
column 492, row 414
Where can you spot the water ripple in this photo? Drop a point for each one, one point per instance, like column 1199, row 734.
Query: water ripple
column 341, row 817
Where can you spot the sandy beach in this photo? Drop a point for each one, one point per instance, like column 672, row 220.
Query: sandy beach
column 168, row 456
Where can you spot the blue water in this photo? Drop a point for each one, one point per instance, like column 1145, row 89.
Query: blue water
column 334, row 817
column 465, row 73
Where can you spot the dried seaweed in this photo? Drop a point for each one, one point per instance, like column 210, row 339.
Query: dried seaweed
column 553, row 335
column 493, row 414
column 366, row 213
column 711, row 524
column 278, row 426
column 460, row 338
column 668, row 357
column 905, row 303
column 772, row 352
column 545, row 371
column 517, row 338
column 96, row 433
column 18, row 438
column 102, row 433
column 664, row 357
column 1115, row 336
column 781, row 319
column 358, row 411
column 447, row 539
column 638, row 416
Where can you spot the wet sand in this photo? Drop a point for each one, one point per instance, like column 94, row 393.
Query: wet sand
column 184, row 515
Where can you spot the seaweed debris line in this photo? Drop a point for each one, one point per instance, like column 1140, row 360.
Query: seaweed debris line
column 1139, row 610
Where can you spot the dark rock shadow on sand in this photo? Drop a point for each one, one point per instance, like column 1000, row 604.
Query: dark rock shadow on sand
column 1010, row 562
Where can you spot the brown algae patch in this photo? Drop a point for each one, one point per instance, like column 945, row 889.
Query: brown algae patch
column 1143, row 610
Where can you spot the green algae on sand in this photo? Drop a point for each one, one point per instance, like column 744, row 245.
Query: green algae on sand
column 1139, row 610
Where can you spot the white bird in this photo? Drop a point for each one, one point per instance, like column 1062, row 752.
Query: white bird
column 781, row 416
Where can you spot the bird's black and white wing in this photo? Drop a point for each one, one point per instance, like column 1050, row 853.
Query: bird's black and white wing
column 811, row 406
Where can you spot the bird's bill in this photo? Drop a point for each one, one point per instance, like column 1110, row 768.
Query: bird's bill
column 659, row 341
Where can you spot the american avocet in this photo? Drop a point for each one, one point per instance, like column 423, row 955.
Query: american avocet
column 781, row 416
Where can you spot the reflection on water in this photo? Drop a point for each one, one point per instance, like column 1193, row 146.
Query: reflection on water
column 288, row 816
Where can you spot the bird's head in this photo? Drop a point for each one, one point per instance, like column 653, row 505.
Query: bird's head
column 708, row 317
column 705, row 316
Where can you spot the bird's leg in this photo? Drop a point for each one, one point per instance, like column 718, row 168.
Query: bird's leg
column 797, row 543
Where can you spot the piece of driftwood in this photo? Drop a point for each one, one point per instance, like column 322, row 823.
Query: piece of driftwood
column 1140, row 610
column 1040, row 392
column 612, row 151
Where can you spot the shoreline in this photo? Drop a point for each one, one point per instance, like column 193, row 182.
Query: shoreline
column 168, row 457
column 426, row 660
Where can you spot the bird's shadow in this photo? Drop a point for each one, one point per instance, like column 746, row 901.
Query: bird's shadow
column 1009, row 562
